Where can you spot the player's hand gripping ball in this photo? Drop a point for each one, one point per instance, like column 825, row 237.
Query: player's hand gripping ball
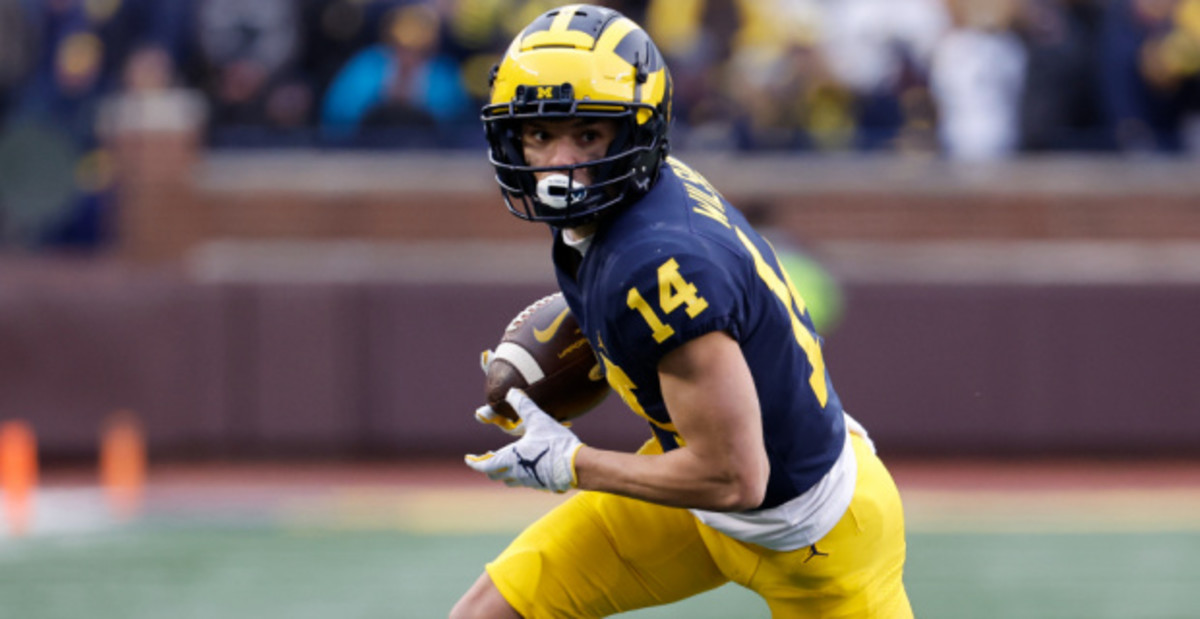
column 544, row 353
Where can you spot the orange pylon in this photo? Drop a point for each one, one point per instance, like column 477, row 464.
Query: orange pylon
column 123, row 463
column 18, row 473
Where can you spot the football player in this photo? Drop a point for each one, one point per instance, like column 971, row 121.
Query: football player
column 754, row 473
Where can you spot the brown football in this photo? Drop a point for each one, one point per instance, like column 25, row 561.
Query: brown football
column 544, row 352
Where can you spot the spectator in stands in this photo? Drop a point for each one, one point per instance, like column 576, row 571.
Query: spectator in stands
column 83, row 49
column 1060, row 103
column 881, row 51
column 750, row 74
column 789, row 97
column 976, row 78
column 150, row 98
column 1150, row 82
column 333, row 31
column 1172, row 58
column 402, row 82
column 248, row 64
column 18, row 46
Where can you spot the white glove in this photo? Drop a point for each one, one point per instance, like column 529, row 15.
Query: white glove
column 543, row 458
column 485, row 414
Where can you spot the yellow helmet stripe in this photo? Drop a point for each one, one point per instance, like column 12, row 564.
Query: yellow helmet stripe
column 564, row 17
column 559, row 33
column 610, row 39
column 614, row 34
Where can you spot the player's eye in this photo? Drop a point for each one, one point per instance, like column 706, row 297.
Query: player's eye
column 535, row 134
column 595, row 139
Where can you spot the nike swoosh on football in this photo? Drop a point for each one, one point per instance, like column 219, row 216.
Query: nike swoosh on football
column 545, row 335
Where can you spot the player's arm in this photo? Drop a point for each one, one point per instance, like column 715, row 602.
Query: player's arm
column 708, row 389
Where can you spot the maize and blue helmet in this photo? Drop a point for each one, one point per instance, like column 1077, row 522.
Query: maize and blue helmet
column 580, row 61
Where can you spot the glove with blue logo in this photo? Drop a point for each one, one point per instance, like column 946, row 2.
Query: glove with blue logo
column 544, row 456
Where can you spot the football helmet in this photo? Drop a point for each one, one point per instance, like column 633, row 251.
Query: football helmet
column 579, row 61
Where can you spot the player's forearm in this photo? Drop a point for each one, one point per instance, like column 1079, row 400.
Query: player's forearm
column 679, row 478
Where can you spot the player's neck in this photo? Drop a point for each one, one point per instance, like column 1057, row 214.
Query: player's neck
column 579, row 233
column 579, row 238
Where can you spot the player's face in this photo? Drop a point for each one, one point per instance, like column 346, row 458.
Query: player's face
column 569, row 141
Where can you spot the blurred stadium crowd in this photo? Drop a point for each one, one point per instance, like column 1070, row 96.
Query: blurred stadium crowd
column 963, row 79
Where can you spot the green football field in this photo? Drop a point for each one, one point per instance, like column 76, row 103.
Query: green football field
column 267, row 572
column 377, row 551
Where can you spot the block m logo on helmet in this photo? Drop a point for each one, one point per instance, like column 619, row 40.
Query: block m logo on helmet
column 580, row 61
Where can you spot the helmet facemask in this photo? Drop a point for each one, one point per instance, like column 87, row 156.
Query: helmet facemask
column 627, row 169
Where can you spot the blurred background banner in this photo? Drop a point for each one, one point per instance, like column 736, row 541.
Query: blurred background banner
column 269, row 229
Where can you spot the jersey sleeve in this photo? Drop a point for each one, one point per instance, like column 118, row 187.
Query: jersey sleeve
column 664, row 295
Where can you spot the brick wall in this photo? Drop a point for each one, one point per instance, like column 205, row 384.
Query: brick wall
column 174, row 197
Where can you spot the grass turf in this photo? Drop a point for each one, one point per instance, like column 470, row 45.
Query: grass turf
column 202, row 572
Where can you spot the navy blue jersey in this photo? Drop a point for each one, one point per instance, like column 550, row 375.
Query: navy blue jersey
column 681, row 263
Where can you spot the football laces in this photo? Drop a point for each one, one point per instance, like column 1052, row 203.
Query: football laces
column 527, row 312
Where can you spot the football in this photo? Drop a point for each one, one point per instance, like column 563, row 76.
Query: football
column 544, row 352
